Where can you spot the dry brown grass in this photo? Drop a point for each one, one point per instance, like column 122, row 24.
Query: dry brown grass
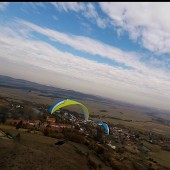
column 46, row 144
column 162, row 157
column 35, row 151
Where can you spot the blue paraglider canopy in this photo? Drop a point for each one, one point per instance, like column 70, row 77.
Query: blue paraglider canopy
column 105, row 125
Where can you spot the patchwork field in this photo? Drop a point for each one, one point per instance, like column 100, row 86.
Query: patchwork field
column 115, row 113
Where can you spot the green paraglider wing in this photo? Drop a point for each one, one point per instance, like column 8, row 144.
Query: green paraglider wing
column 68, row 102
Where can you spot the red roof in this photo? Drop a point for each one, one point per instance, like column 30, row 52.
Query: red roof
column 53, row 124
column 51, row 119
column 15, row 121
column 59, row 125
column 66, row 126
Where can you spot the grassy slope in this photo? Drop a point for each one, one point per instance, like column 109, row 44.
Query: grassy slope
column 35, row 151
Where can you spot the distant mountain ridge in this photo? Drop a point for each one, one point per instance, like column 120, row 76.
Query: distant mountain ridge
column 49, row 91
column 9, row 82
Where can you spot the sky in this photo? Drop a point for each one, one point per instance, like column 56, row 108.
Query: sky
column 118, row 50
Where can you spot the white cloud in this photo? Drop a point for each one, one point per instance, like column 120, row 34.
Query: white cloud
column 3, row 5
column 94, row 47
column 146, row 22
column 91, row 13
column 87, row 9
column 87, row 45
column 36, row 5
column 68, row 6
column 86, row 27
column 78, row 73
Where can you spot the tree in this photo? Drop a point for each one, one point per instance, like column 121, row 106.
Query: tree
column 28, row 112
column 100, row 134
column 19, row 125
column 3, row 113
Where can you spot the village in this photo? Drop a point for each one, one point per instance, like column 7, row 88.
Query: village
column 123, row 142
column 73, row 120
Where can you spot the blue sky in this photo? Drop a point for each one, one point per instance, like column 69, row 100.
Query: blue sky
column 117, row 50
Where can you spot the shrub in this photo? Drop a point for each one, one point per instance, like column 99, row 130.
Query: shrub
column 120, row 149
column 74, row 137
column 19, row 125
column 100, row 166
column 59, row 136
column 46, row 132
column 56, row 135
column 108, row 156
column 91, row 145
column 86, row 142
column 114, row 164
column 150, row 159
column 92, row 164
column 100, row 149
column 166, row 148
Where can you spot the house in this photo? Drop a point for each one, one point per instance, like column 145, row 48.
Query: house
column 31, row 122
column 13, row 122
column 50, row 119
column 65, row 114
column 64, row 126
column 53, row 124
column 37, row 122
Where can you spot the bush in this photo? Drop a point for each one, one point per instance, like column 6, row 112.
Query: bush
column 92, row 164
column 25, row 126
column 91, row 145
column 150, row 159
column 46, row 132
column 56, row 135
column 53, row 135
column 120, row 149
column 166, row 148
column 114, row 164
column 100, row 166
column 86, row 142
column 74, row 137
column 19, row 125
column 59, row 136
column 100, row 149
column 108, row 156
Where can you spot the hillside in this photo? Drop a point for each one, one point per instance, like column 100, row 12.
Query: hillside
column 35, row 151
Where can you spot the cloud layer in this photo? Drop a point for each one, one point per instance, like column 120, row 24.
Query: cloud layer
column 146, row 22
column 140, row 84
column 45, row 55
